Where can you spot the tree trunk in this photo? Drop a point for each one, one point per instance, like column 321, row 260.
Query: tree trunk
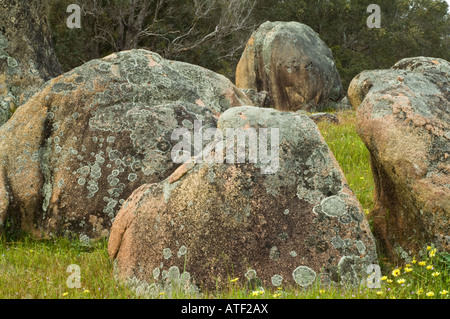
column 27, row 57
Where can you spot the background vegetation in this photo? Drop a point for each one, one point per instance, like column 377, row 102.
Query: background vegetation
column 213, row 33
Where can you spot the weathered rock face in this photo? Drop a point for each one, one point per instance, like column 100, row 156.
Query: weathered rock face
column 322, row 116
column 27, row 58
column 259, row 99
column 77, row 149
column 403, row 117
column 291, row 63
column 217, row 220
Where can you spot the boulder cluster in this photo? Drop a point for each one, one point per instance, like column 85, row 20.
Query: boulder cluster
column 95, row 152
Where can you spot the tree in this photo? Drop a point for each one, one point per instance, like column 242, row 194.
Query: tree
column 176, row 29
column 27, row 58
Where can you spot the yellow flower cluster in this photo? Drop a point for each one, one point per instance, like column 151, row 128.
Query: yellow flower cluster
column 408, row 269
column 257, row 292
column 397, row 272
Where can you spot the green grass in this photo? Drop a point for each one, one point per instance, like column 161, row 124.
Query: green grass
column 352, row 155
column 38, row 269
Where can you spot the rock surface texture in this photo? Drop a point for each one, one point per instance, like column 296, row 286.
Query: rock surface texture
column 211, row 221
column 27, row 58
column 403, row 117
column 291, row 63
column 77, row 149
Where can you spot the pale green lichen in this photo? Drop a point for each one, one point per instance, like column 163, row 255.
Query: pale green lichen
column 360, row 246
column 304, row 276
column 274, row 253
column 182, row 251
column 276, row 280
column 250, row 274
column 333, row 206
column 167, row 253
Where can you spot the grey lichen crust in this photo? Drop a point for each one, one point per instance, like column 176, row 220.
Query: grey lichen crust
column 304, row 276
column 96, row 133
column 230, row 216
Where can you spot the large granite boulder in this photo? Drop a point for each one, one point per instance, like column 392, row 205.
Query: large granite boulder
column 77, row 149
column 291, row 63
column 403, row 117
column 285, row 217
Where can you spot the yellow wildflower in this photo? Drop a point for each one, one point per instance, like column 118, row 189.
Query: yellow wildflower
column 432, row 253
column 321, row 291
column 422, row 263
column 379, row 292
column 389, row 281
column 384, row 278
column 430, row 267
column 444, row 292
column 396, row 272
column 429, row 248
column 435, row 274
column 234, row 280
column 277, row 295
column 414, row 260
column 407, row 269
column 86, row 291
column 401, row 281
column 65, row 294
column 430, row 294
column 419, row 292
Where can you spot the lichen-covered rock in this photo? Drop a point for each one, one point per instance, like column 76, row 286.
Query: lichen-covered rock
column 298, row 223
column 291, row 63
column 259, row 99
column 403, row 117
column 323, row 116
column 343, row 104
column 77, row 149
column 27, row 58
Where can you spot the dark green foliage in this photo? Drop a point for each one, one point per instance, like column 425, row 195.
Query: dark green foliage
column 408, row 28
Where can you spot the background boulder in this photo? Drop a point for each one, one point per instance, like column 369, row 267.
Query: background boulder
column 212, row 221
column 259, row 99
column 27, row 57
column 77, row 149
column 403, row 117
column 291, row 63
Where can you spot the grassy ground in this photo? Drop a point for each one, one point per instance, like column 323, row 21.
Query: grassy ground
column 352, row 155
column 38, row 269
